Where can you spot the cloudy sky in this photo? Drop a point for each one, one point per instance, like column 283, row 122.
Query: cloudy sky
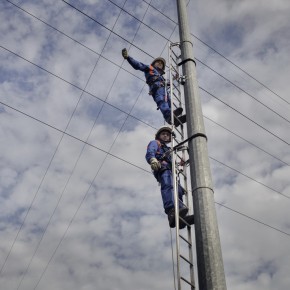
column 79, row 208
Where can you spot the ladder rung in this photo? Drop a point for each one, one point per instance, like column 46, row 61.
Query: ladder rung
column 181, row 172
column 192, row 285
column 177, row 89
column 176, row 70
column 183, row 220
column 188, row 242
column 174, row 54
column 186, row 260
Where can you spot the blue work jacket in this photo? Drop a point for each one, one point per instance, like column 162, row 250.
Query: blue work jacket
column 153, row 75
column 156, row 149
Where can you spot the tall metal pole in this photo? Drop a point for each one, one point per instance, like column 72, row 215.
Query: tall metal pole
column 208, row 249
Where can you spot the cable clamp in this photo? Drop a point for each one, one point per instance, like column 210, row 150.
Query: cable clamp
column 186, row 60
column 188, row 139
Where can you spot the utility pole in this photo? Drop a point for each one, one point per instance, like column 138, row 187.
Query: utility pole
column 208, row 249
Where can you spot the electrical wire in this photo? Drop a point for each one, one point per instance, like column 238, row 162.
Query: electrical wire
column 276, row 136
column 176, row 24
column 56, row 128
column 168, row 40
column 127, row 162
column 220, row 54
column 124, row 112
column 247, row 141
column 130, row 163
column 149, row 54
column 232, row 83
column 77, row 160
column 233, row 169
column 253, row 219
column 100, row 167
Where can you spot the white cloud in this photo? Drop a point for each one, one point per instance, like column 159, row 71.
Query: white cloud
column 103, row 218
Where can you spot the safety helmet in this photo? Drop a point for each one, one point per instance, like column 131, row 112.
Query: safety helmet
column 161, row 59
column 161, row 129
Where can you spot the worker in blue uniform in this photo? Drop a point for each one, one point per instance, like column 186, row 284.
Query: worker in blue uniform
column 157, row 87
column 161, row 166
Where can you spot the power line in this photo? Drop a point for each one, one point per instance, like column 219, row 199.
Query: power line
column 93, row 19
column 74, row 137
column 122, row 110
column 131, row 115
column 245, row 116
column 253, row 219
column 254, row 145
column 232, row 83
column 117, row 64
column 286, row 196
column 121, row 159
column 220, row 54
column 130, row 163
column 74, row 85
column 146, row 52
column 76, row 163
column 146, row 124
column 101, row 165
column 196, row 59
column 73, row 39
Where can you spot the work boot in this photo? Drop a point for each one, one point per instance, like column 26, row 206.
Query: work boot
column 188, row 219
column 171, row 215
column 179, row 120
column 177, row 111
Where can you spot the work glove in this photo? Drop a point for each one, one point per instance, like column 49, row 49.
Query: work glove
column 125, row 53
column 155, row 164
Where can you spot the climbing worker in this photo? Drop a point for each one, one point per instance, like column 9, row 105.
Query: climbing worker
column 161, row 165
column 157, row 87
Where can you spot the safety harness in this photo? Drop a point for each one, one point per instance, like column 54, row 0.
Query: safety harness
column 151, row 79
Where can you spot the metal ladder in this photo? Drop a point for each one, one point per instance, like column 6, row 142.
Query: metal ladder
column 184, row 274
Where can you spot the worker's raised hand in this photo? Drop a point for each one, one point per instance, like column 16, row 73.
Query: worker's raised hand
column 155, row 164
column 125, row 53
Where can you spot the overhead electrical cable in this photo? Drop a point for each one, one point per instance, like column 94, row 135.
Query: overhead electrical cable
column 86, row 15
column 73, row 137
column 74, row 85
column 196, row 59
column 220, row 54
column 122, row 110
column 232, row 83
column 238, row 171
column 253, row 219
column 73, row 39
column 254, row 145
column 119, row 158
column 101, row 165
column 79, row 156
column 276, row 136
column 77, row 138
column 176, row 24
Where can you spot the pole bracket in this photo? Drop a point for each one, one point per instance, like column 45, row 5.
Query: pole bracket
column 190, row 138
column 186, row 60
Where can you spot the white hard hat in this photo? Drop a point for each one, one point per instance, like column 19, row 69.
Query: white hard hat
column 161, row 59
column 161, row 129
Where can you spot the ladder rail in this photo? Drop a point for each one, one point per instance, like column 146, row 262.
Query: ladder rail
column 176, row 101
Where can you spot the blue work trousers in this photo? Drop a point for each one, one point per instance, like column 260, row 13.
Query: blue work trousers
column 167, row 191
column 162, row 99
